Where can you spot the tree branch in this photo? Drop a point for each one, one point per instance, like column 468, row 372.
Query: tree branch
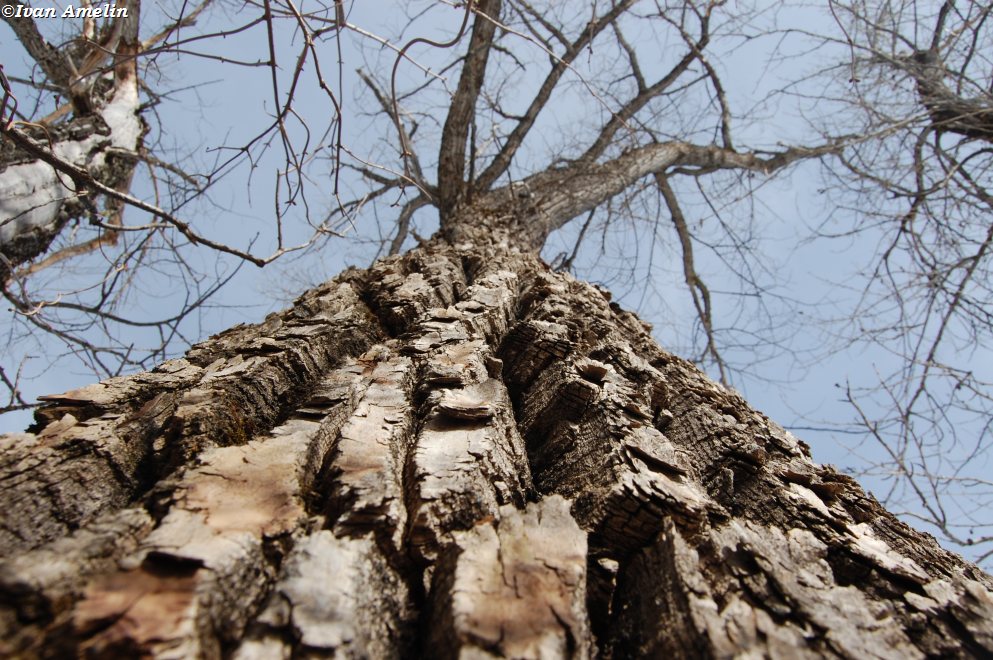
column 640, row 100
column 451, row 153
column 698, row 289
column 583, row 186
column 503, row 159
column 54, row 62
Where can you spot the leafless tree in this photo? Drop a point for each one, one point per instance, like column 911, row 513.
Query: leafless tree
column 95, row 205
column 916, row 77
column 913, row 79
column 656, row 142
column 461, row 450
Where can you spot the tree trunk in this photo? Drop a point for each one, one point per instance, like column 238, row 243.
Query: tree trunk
column 456, row 451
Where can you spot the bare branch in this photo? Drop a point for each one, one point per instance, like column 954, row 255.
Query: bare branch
column 502, row 160
column 452, row 150
column 698, row 289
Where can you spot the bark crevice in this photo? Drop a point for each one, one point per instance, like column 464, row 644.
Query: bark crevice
column 497, row 460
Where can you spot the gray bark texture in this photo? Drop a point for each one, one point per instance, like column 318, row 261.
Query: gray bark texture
column 454, row 453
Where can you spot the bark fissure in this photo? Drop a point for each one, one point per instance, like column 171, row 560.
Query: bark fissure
column 708, row 433
column 102, row 446
column 456, row 452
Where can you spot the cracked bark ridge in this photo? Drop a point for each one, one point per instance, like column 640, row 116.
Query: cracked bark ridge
column 106, row 444
column 454, row 453
column 336, row 596
column 514, row 586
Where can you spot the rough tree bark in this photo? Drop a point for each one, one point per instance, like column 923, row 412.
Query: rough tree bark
column 455, row 452
column 459, row 452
